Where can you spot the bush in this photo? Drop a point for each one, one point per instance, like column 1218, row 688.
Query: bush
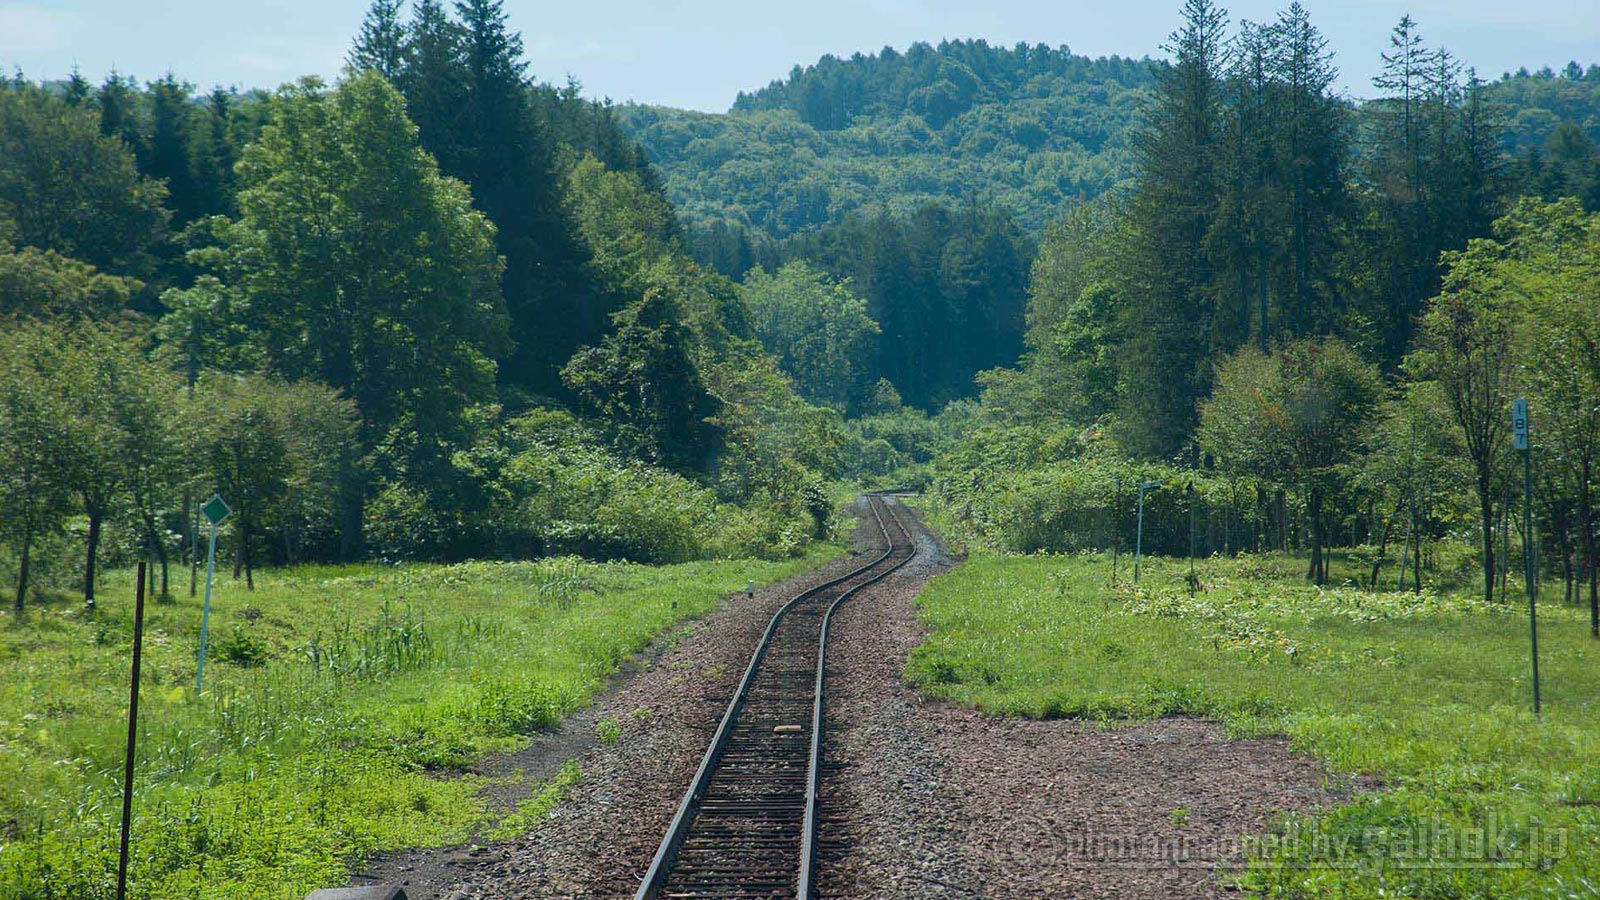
column 401, row 523
column 240, row 649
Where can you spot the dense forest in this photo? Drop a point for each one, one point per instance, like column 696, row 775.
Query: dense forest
column 1312, row 316
column 1028, row 129
column 433, row 310
column 438, row 309
column 849, row 164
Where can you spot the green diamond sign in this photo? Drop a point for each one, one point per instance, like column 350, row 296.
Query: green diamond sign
column 216, row 510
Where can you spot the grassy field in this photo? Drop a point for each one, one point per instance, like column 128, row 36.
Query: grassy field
column 335, row 699
column 1430, row 693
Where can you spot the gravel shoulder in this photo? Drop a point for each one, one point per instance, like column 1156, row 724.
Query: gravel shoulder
column 922, row 799
column 601, row 837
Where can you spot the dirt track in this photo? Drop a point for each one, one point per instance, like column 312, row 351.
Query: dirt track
column 923, row 799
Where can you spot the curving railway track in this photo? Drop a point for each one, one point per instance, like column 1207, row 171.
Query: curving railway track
column 747, row 826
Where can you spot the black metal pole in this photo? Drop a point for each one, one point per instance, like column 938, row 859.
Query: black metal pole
column 133, row 734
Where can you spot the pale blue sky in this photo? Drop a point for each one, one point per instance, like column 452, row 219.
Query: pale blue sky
column 700, row 53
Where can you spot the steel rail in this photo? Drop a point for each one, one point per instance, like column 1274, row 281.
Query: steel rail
column 662, row 863
column 808, row 835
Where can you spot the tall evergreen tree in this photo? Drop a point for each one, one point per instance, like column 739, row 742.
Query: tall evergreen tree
column 167, row 156
column 79, row 90
column 1311, row 135
column 120, row 116
column 381, row 43
column 1166, row 357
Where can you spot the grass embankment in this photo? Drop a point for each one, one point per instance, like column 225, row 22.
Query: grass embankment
column 1430, row 693
column 335, row 700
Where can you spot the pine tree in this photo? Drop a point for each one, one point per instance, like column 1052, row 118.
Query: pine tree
column 78, row 89
column 1311, row 134
column 381, row 43
column 1166, row 359
column 434, row 83
column 168, row 154
column 118, row 102
column 213, row 153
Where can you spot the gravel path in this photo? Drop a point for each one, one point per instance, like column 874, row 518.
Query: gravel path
column 923, row 799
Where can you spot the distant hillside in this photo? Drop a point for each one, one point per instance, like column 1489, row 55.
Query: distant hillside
column 1027, row 129
column 1535, row 104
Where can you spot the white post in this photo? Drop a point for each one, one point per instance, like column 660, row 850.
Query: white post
column 205, row 612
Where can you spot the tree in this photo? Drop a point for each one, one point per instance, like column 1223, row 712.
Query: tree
column 168, row 157
column 35, row 440
column 68, row 188
column 1411, row 465
column 1465, row 343
column 818, row 330
column 1552, row 262
column 1299, row 415
column 380, row 45
column 466, row 88
column 244, row 450
column 1168, row 319
column 642, row 380
column 356, row 264
column 44, row 285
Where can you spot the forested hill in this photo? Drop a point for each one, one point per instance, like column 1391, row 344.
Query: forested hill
column 1028, row 129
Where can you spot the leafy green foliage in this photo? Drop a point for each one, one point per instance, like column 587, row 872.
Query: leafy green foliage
column 356, row 263
column 1293, row 418
column 946, row 285
column 67, row 188
column 1031, row 128
column 43, row 284
column 817, row 329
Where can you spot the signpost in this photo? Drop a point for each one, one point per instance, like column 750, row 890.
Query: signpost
column 133, row 734
column 1138, row 541
column 1116, row 524
column 215, row 511
column 1519, row 437
column 1193, row 582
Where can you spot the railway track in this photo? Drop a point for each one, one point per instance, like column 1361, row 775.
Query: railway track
column 747, row 826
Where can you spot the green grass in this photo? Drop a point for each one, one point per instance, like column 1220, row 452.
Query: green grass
column 339, row 705
column 1429, row 693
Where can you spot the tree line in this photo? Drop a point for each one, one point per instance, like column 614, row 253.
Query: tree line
column 1318, row 315
column 460, row 271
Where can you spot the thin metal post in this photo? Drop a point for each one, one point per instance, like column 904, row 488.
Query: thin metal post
column 1405, row 548
column 133, row 734
column 1191, row 538
column 1138, row 541
column 1116, row 525
column 1531, row 569
column 205, row 612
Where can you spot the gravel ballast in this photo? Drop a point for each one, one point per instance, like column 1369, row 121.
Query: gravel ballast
column 921, row 799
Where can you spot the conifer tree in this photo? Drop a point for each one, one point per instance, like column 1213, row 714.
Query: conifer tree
column 167, row 156
column 1167, row 354
column 381, row 43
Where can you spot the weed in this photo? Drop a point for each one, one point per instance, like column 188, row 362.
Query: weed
column 1430, row 691
column 294, row 765
column 240, row 648
column 608, row 731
